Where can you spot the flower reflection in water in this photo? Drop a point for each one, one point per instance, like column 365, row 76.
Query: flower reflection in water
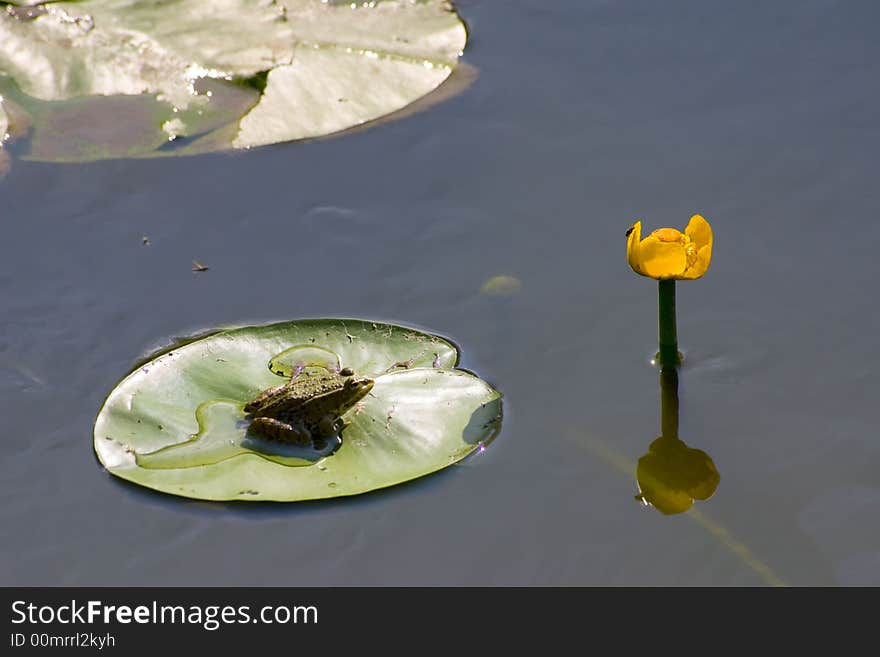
column 672, row 475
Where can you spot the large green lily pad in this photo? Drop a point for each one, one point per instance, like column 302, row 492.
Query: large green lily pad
column 176, row 423
column 128, row 78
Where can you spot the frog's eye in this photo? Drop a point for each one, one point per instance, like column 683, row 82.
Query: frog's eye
column 346, row 371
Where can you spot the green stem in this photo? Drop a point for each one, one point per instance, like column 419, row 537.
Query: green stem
column 667, row 333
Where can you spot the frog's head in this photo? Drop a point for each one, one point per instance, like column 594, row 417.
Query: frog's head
column 353, row 390
column 359, row 386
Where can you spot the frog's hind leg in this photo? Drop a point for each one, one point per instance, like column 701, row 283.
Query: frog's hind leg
column 282, row 432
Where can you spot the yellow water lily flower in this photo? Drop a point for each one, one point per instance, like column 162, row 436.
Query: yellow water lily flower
column 670, row 254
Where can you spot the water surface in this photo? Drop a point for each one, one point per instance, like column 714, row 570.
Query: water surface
column 586, row 116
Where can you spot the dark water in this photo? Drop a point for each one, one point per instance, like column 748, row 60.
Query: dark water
column 586, row 115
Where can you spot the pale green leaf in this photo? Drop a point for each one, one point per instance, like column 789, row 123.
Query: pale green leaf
column 123, row 78
column 175, row 424
column 4, row 124
column 4, row 136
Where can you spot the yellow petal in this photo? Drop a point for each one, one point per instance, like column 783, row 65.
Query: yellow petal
column 662, row 259
column 700, row 232
column 633, row 239
column 668, row 235
column 699, row 267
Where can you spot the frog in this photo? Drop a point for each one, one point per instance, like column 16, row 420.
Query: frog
column 308, row 409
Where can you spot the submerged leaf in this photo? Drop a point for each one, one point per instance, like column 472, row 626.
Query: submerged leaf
column 176, row 423
column 223, row 434
column 501, row 286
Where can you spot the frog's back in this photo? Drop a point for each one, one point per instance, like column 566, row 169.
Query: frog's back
column 314, row 382
column 304, row 389
column 313, row 397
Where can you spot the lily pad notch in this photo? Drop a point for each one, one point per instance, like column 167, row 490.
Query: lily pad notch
column 176, row 424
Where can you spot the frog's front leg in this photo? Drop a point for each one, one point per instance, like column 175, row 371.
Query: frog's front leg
column 330, row 425
column 281, row 431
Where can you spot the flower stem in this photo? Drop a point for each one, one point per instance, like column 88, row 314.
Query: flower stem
column 668, row 337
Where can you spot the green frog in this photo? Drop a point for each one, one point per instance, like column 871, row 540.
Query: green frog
column 307, row 409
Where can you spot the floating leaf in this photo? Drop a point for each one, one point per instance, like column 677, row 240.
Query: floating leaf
column 176, row 423
column 4, row 135
column 126, row 78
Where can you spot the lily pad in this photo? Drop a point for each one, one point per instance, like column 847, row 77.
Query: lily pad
column 176, row 423
column 216, row 75
column 4, row 136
